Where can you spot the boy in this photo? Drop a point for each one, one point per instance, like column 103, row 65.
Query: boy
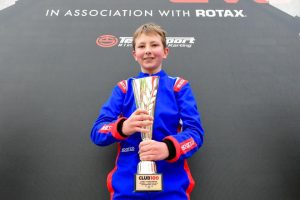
column 177, row 130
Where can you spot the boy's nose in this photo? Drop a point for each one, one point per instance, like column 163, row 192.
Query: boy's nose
column 148, row 50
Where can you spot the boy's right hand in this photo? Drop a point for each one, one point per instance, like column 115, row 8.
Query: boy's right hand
column 137, row 122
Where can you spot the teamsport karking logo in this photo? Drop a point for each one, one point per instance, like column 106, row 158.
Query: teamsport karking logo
column 7, row 3
column 107, row 41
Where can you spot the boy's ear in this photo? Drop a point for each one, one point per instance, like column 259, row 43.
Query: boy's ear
column 134, row 55
column 166, row 52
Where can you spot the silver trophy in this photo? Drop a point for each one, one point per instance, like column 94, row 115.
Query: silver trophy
column 145, row 92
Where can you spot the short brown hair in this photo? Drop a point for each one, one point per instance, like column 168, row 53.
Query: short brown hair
column 149, row 28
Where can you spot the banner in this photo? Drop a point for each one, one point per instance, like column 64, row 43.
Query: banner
column 59, row 61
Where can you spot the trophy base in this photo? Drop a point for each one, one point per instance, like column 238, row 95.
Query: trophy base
column 148, row 182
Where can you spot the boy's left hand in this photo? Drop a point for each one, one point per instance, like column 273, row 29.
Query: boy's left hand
column 151, row 150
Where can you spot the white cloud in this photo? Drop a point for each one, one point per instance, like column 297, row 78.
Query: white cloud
column 6, row 3
column 290, row 7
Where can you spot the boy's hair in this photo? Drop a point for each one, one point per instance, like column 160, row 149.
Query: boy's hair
column 150, row 28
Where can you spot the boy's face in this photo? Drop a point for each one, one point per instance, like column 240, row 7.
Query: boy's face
column 149, row 52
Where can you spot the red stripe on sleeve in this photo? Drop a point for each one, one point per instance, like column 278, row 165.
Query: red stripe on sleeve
column 187, row 145
column 180, row 82
column 106, row 128
column 123, row 86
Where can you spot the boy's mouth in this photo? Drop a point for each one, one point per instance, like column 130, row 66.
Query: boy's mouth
column 149, row 58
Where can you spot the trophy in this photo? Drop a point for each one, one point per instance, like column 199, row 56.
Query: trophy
column 145, row 91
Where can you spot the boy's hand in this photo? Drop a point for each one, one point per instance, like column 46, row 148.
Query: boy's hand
column 137, row 122
column 153, row 150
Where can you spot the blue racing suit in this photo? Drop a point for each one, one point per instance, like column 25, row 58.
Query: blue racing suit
column 176, row 122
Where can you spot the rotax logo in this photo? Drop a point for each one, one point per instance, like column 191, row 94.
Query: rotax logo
column 108, row 40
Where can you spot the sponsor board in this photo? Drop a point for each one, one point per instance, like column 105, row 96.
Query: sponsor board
column 290, row 7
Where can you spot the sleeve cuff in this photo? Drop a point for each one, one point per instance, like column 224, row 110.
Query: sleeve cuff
column 171, row 149
column 117, row 129
column 175, row 152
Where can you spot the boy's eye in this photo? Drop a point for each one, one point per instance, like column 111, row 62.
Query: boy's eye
column 141, row 46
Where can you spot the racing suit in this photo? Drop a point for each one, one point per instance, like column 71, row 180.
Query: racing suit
column 175, row 107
